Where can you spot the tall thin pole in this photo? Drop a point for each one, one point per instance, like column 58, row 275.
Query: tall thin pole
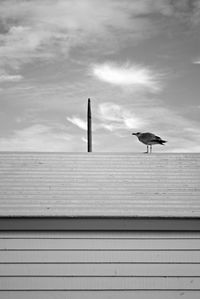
column 89, row 128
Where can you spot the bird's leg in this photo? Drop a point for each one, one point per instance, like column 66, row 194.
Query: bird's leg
column 147, row 150
column 150, row 148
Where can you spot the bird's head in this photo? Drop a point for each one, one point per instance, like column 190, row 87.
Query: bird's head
column 136, row 134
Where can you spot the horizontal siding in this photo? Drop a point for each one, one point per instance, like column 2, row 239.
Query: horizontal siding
column 56, row 270
column 101, row 295
column 100, row 283
column 61, row 184
column 139, row 256
column 99, row 265
column 32, row 235
column 113, row 245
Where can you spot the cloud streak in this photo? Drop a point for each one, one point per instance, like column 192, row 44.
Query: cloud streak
column 110, row 117
column 78, row 122
column 37, row 137
column 4, row 77
column 135, row 76
column 115, row 117
column 196, row 61
column 46, row 29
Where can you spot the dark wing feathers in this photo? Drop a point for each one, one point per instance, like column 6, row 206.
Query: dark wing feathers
column 149, row 137
column 158, row 139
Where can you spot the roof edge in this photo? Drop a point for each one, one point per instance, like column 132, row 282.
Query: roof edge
column 99, row 224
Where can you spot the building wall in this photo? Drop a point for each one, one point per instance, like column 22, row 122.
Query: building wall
column 98, row 185
column 99, row 265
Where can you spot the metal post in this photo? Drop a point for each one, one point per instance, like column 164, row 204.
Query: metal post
column 89, row 128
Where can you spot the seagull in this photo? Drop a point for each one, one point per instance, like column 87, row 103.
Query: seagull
column 149, row 139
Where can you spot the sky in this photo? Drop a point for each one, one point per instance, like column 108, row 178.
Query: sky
column 137, row 60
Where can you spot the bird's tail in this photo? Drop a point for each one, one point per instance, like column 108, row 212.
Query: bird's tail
column 162, row 142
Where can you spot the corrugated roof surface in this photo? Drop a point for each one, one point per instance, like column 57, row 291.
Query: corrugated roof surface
column 63, row 184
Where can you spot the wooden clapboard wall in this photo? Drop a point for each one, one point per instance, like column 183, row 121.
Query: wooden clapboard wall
column 96, row 185
column 99, row 265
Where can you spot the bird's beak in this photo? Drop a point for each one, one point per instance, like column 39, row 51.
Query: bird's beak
column 133, row 133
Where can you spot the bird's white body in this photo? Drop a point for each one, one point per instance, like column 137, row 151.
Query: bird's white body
column 149, row 139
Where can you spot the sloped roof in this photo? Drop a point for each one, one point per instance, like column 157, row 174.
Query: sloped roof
column 99, row 184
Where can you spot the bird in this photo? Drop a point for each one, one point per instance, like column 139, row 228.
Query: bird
column 149, row 139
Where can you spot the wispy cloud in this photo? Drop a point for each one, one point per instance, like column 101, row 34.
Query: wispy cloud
column 37, row 138
column 37, row 29
column 84, row 139
column 78, row 122
column 82, row 124
column 110, row 117
column 135, row 76
column 45, row 29
column 197, row 61
column 115, row 117
column 4, row 77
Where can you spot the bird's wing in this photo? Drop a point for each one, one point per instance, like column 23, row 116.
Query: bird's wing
column 149, row 136
column 156, row 138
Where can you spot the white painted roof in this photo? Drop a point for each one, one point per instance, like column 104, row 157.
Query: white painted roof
column 99, row 184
